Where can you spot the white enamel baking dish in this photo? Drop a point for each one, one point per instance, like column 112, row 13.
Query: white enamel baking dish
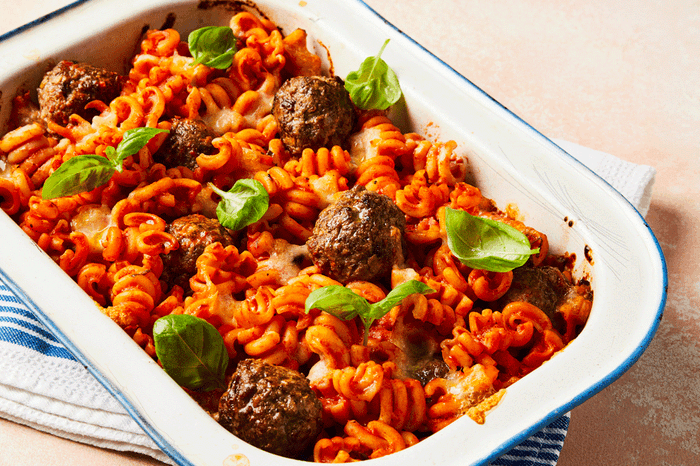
column 510, row 161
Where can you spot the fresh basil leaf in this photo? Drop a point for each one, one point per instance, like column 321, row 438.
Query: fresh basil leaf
column 212, row 46
column 486, row 244
column 132, row 142
column 374, row 85
column 395, row 296
column 76, row 175
column 191, row 351
column 88, row 171
column 338, row 301
column 111, row 154
column 245, row 203
column 345, row 304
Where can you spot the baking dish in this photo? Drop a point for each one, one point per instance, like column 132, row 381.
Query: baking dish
column 509, row 161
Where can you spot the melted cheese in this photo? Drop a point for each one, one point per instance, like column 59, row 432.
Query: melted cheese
column 318, row 371
column 93, row 221
column 204, row 203
column 282, row 260
column 262, row 108
column 263, row 105
column 224, row 120
column 471, row 387
column 326, row 188
column 401, row 275
column 5, row 171
column 227, row 308
column 361, row 146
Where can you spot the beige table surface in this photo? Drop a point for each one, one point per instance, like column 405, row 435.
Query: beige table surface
column 620, row 76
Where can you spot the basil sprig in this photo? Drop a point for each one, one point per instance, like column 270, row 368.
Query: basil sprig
column 345, row 304
column 213, row 46
column 245, row 203
column 191, row 351
column 374, row 85
column 486, row 244
column 88, row 171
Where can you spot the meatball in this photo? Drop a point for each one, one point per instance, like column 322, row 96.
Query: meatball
column 186, row 140
column 272, row 408
column 430, row 369
column 193, row 233
column 313, row 112
column 540, row 286
column 360, row 237
column 69, row 87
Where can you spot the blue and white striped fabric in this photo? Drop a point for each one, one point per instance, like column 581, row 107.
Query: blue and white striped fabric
column 44, row 387
column 19, row 326
column 541, row 448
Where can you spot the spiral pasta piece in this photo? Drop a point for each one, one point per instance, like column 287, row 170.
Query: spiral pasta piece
column 419, row 199
column 489, row 286
column 378, row 437
column 403, row 404
column 439, row 160
column 361, row 383
column 329, row 338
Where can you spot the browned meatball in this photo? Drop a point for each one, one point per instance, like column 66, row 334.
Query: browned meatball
column 313, row 112
column 193, row 233
column 186, row 140
column 360, row 237
column 272, row 408
column 430, row 369
column 540, row 286
column 68, row 87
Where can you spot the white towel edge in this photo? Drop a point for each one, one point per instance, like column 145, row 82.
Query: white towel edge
column 72, row 430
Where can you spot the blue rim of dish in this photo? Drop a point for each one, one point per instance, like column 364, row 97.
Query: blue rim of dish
column 171, row 451
column 41, row 20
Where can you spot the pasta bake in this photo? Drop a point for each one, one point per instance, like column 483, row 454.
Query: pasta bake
column 146, row 188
